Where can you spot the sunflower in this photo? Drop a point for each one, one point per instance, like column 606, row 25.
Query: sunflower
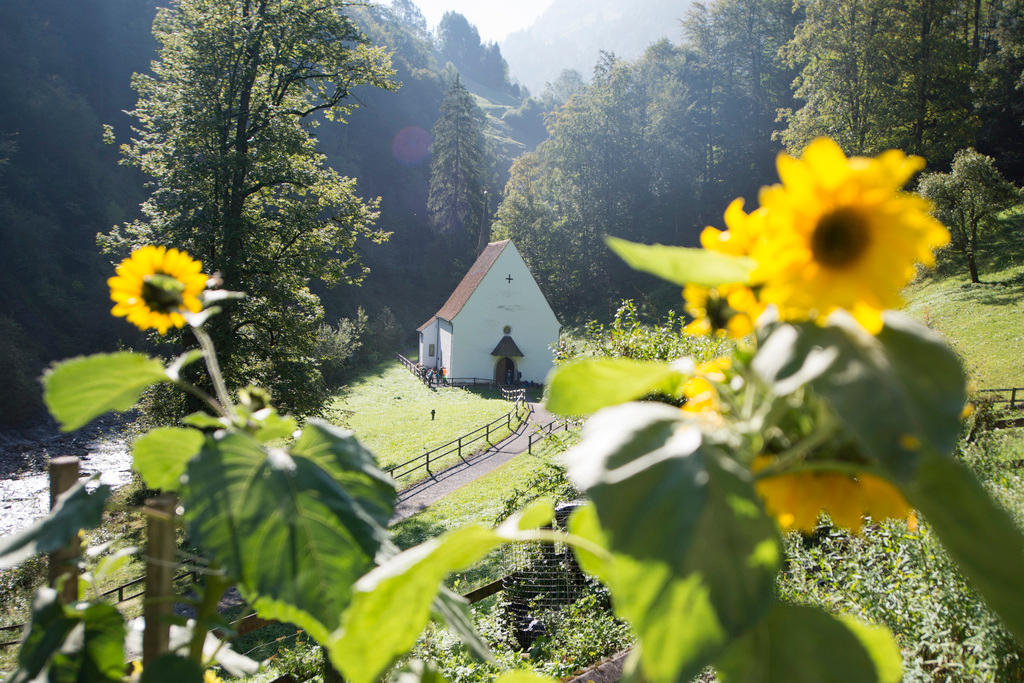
column 155, row 285
column 797, row 499
column 839, row 233
column 729, row 309
column 699, row 391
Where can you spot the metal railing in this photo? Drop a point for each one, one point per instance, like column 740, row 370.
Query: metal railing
column 436, row 380
column 544, row 431
column 457, row 445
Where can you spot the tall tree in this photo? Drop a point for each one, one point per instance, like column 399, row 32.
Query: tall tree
column 1001, row 85
column 876, row 74
column 223, row 130
column 458, row 166
column 967, row 200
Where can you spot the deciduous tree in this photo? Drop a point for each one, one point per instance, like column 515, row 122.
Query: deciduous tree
column 224, row 131
column 967, row 200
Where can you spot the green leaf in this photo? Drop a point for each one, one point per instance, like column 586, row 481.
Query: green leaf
column 111, row 564
column 76, row 509
column 295, row 537
column 881, row 646
column 274, row 426
column 161, row 455
column 693, row 556
column 201, row 420
column 185, row 359
column 800, row 644
column 392, row 603
column 454, row 610
column 683, row 265
column 338, row 452
column 169, row 668
column 524, row 677
column 585, row 386
column 536, row 514
column 83, row 642
column 980, row 536
column 80, row 389
column 904, row 382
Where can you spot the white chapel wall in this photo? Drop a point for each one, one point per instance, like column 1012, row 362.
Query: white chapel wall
column 496, row 303
column 429, row 338
column 445, row 346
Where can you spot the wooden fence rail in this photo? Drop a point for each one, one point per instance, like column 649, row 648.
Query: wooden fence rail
column 124, row 592
column 1014, row 396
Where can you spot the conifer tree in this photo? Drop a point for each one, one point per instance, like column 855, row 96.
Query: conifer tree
column 458, row 165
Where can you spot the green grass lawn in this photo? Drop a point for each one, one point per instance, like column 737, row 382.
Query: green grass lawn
column 984, row 322
column 389, row 410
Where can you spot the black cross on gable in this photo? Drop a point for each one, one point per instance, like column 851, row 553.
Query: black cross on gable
column 509, row 278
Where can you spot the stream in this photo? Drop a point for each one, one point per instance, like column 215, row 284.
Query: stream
column 24, row 488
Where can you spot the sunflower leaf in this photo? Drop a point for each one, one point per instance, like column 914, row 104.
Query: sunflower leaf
column 585, row 386
column 161, row 455
column 296, row 528
column 80, row 389
column 683, row 265
column 703, row 569
column 76, row 509
column 904, row 384
column 804, row 644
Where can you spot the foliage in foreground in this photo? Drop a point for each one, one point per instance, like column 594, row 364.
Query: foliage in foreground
column 835, row 405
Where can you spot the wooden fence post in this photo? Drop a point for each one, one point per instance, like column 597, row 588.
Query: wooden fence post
column 63, row 562
column 1013, row 397
column 161, row 545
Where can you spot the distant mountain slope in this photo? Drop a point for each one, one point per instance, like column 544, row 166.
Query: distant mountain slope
column 571, row 33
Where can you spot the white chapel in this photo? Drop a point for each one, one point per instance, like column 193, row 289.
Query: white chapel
column 496, row 325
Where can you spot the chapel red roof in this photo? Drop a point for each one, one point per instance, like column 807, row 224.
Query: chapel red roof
column 469, row 283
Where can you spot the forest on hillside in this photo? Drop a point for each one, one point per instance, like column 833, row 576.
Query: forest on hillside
column 649, row 150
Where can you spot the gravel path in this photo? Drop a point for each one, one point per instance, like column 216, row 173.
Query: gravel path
column 422, row 494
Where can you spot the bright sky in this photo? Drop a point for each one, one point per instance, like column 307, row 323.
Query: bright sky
column 495, row 19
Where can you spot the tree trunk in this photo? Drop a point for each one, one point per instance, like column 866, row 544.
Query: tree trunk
column 972, row 244
column 972, row 266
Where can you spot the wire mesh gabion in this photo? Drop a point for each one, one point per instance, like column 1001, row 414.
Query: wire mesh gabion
column 539, row 578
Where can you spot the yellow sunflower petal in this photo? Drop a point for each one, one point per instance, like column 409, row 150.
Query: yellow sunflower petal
column 145, row 293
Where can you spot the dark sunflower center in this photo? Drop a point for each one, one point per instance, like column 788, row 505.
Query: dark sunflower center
column 162, row 293
column 840, row 238
column 719, row 311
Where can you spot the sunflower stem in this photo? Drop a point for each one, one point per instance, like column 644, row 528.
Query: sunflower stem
column 213, row 367
column 203, row 396
column 783, row 461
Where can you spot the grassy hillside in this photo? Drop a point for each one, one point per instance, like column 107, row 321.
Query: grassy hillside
column 984, row 322
column 389, row 410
